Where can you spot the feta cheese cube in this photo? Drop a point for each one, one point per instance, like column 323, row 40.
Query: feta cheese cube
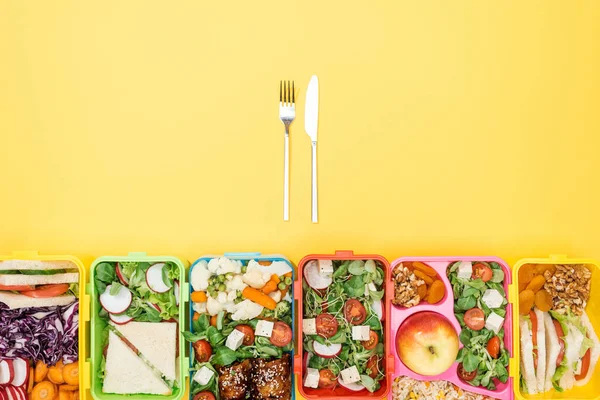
column 360, row 332
column 312, row 378
column 309, row 326
column 203, row 376
column 465, row 269
column 492, row 298
column 264, row 328
column 494, row 322
column 325, row 267
column 234, row 340
column 350, row 375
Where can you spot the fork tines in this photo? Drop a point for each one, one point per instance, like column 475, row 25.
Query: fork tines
column 287, row 94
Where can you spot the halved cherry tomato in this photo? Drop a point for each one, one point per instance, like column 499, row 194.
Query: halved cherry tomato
column 561, row 342
column 493, row 347
column 327, row 380
column 534, row 327
column 374, row 366
column 282, row 334
column 464, row 375
column 482, row 271
column 372, row 342
column 354, row 312
column 206, row 395
column 585, row 365
column 202, row 350
column 475, row 319
column 16, row 288
column 248, row 334
column 48, row 290
column 327, row 325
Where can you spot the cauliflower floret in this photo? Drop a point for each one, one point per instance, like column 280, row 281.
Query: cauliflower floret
column 231, row 307
column 226, row 265
column 246, row 310
column 200, row 275
column 200, row 308
column 213, row 265
column 287, row 297
column 222, row 297
column 232, row 295
column 255, row 278
column 236, row 283
column 213, row 306
column 276, row 295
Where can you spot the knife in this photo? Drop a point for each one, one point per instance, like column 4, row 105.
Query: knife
column 311, row 122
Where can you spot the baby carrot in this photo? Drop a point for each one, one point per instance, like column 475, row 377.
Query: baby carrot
column 259, row 298
column 198, row 297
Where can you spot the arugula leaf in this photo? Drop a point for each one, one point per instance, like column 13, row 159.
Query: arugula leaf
column 355, row 287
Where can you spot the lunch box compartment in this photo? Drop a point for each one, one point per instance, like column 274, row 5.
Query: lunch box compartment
column 590, row 391
column 340, row 392
column 98, row 325
column 241, row 257
column 84, row 309
column 446, row 308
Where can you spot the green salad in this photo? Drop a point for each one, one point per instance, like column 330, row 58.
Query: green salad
column 480, row 308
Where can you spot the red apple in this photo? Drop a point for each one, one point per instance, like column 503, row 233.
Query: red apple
column 427, row 343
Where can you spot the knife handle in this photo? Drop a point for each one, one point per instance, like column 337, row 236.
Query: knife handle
column 286, row 177
column 315, row 214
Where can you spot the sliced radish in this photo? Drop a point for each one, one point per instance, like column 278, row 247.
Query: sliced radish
column 121, row 319
column 3, row 395
column 326, row 351
column 154, row 278
column 21, row 372
column 7, row 372
column 121, row 275
column 12, row 392
column 155, row 306
column 378, row 309
column 118, row 303
column 355, row 387
column 21, row 392
column 313, row 278
column 176, row 286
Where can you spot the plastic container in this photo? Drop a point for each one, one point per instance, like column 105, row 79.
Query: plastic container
column 242, row 257
column 340, row 392
column 98, row 324
column 590, row 391
column 446, row 308
column 84, row 309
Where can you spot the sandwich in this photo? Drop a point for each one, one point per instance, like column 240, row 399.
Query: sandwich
column 141, row 358
column 33, row 283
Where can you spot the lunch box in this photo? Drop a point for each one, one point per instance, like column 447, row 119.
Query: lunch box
column 98, row 324
column 241, row 257
column 84, row 308
column 340, row 392
column 591, row 391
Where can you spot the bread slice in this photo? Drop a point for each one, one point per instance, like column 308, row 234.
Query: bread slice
column 595, row 351
column 15, row 301
column 18, row 279
column 540, row 372
column 35, row 264
column 126, row 373
column 527, row 367
column 552, row 350
column 156, row 341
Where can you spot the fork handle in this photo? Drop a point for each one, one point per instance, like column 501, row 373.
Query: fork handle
column 286, row 176
column 315, row 215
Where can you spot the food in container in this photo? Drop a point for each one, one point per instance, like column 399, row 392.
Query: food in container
column 241, row 329
column 406, row 388
column 39, row 328
column 416, row 282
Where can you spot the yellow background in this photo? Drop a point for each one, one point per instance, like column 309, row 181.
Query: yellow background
column 446, row 127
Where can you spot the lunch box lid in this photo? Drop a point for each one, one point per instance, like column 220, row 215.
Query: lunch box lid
column 389, row 358
column 97, row 324
column 84, row 302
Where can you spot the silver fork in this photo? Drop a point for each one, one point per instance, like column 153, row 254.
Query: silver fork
column 287, row 113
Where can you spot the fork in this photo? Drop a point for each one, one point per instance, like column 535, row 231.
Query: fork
column 287, row 113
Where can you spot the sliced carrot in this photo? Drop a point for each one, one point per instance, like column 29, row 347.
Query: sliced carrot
column 71, row 374
column 44, row 390
column 198, row 297
column 265, row 263
column 55, row 374
column 64, row 395
column 31, row 379
column 196, row 316
column 269, row 287
column 75, row 395
column 213, row 321
column 41, row 370
column 68, row 388
column 259, row 297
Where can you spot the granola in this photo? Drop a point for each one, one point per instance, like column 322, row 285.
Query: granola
column 569, row 287
column 406, row 285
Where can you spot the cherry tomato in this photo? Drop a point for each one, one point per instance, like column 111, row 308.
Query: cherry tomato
column 561, row 342
column 493, row 347
column 202, row 350
column 372, row 342
column 282, row 334
column 475, row 319
column 16, row 288
column 327, row 380
column 206, row 395
column 48, row 290
column 534, row 327
column 354, row 312
column 327, row 325
column 248, row 334
column 483, row 271
column 374, row 366
column 464, row 375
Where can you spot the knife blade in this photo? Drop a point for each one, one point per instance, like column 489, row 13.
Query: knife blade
column 311, row 122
